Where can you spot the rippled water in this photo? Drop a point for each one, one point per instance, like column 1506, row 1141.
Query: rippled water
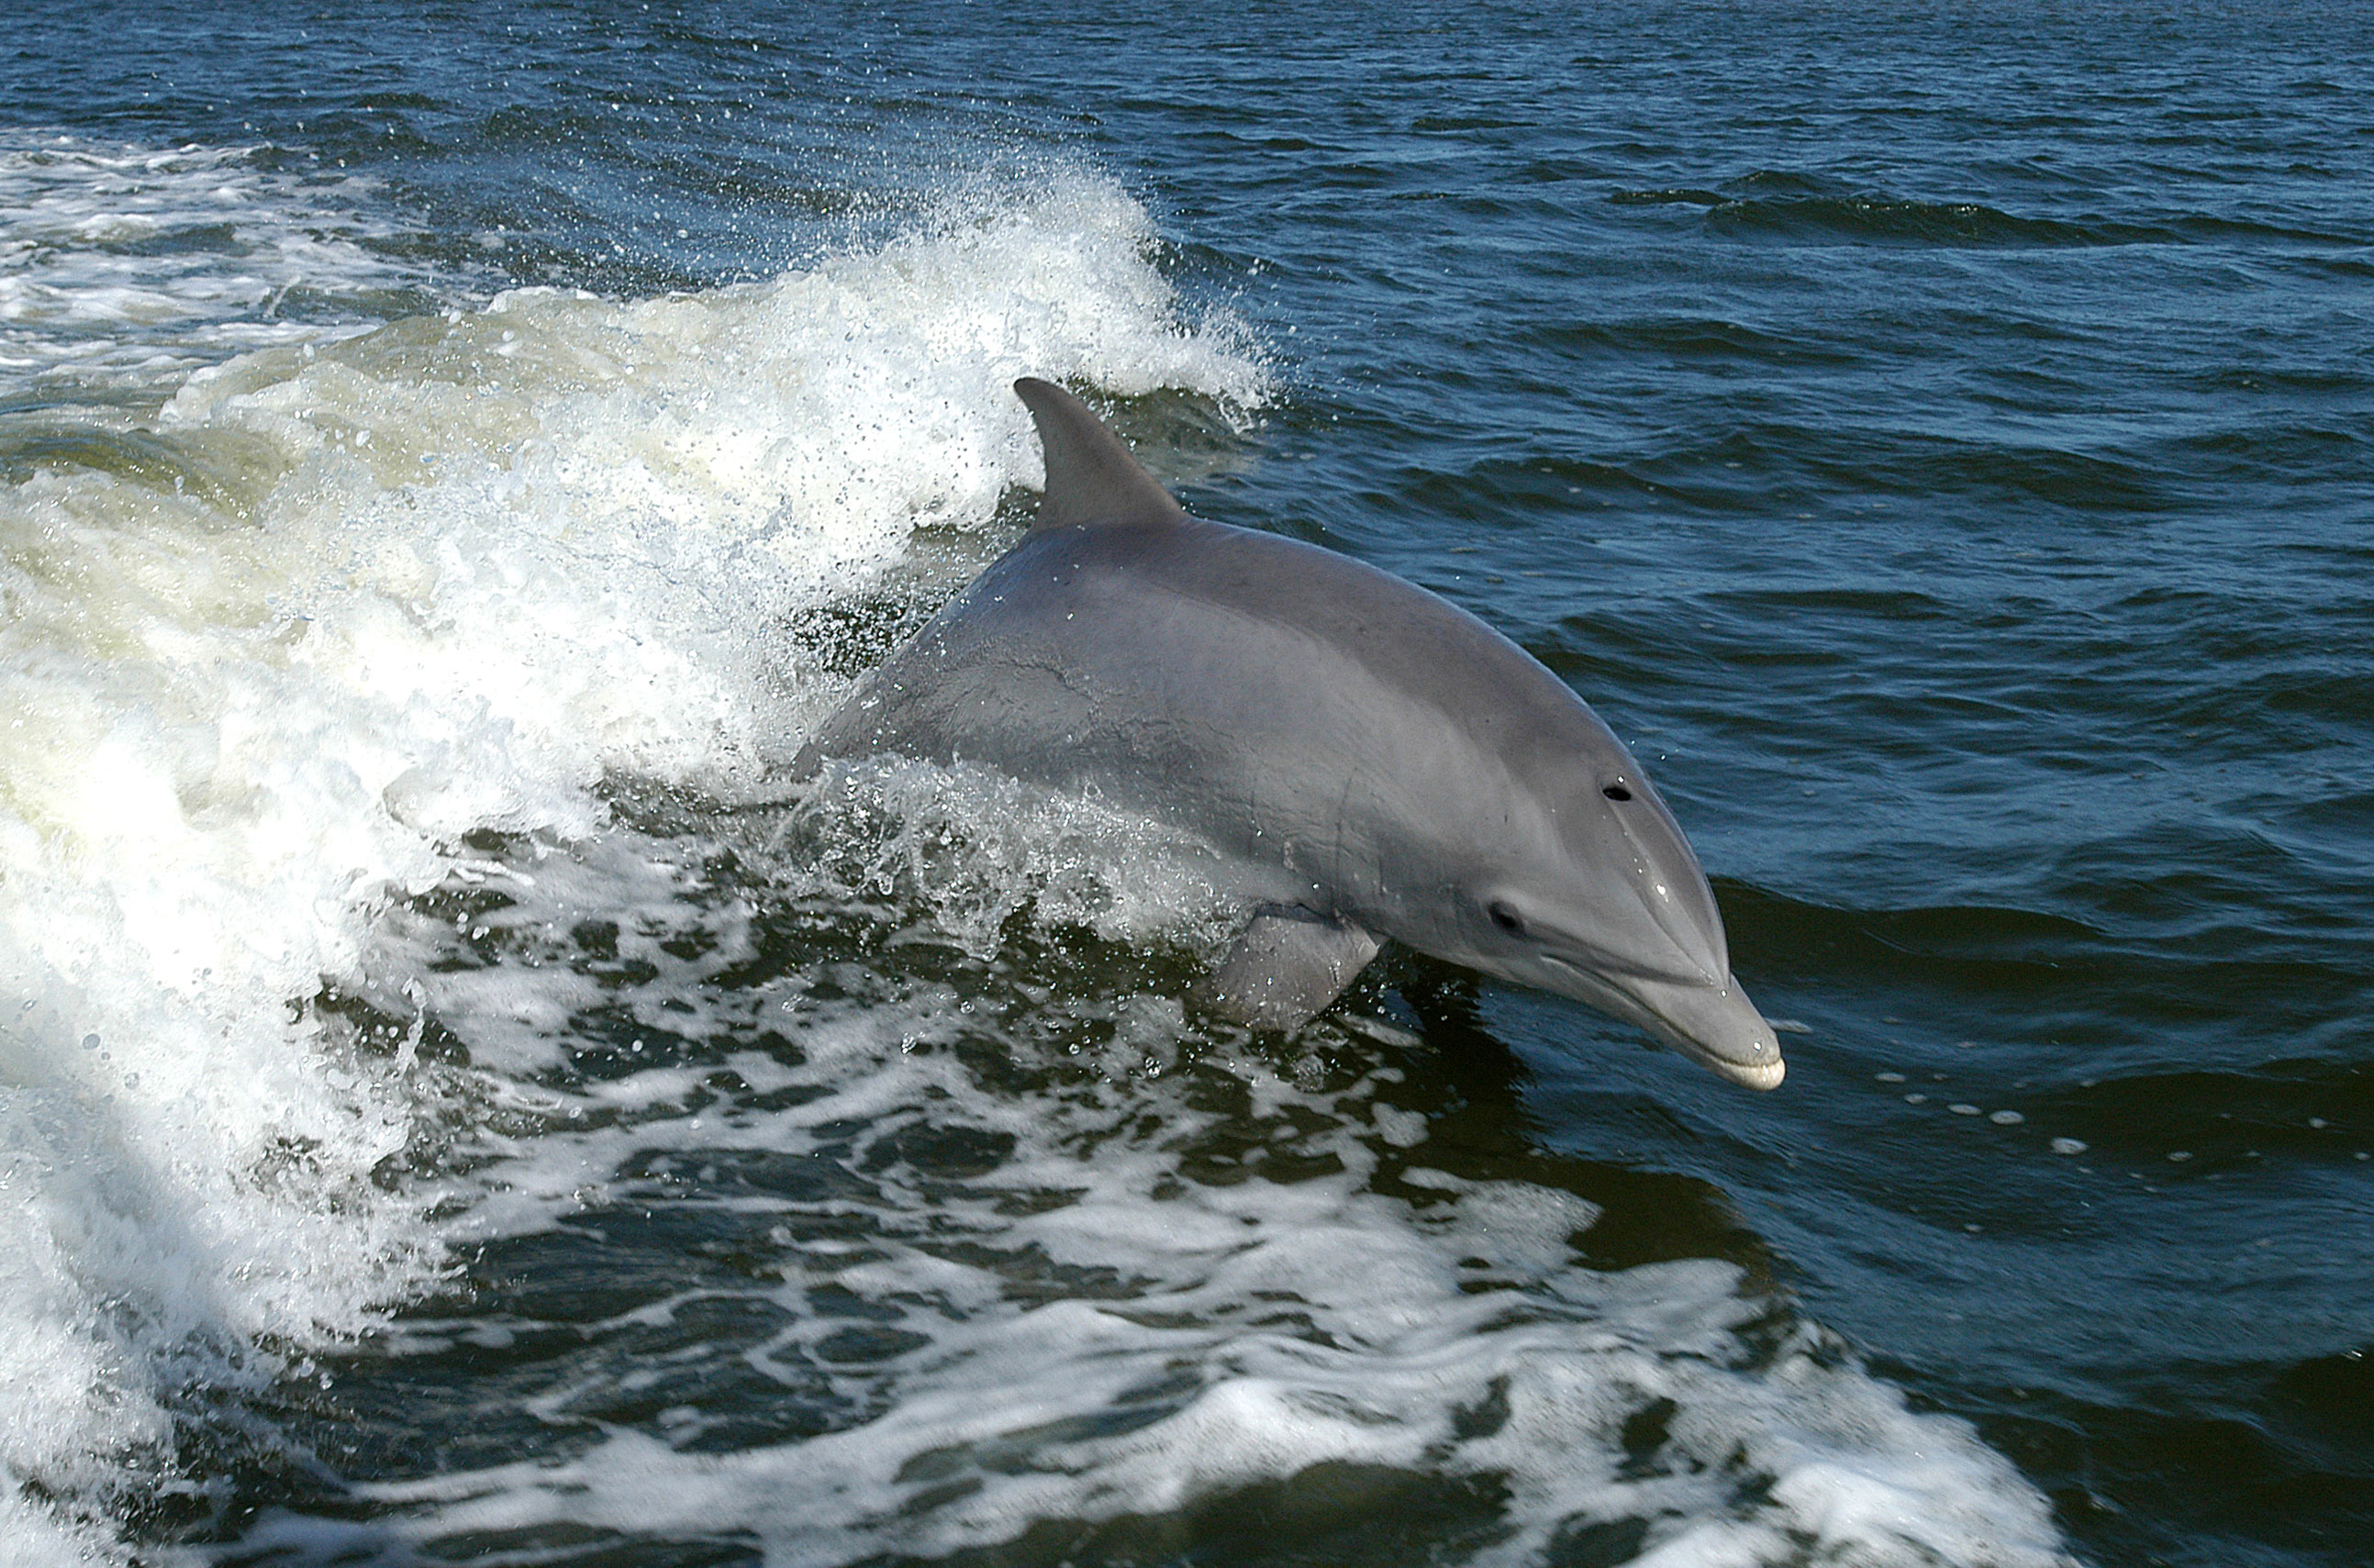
column 458, row 1103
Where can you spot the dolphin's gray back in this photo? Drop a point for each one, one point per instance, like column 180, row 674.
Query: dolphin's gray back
column 1289, row 703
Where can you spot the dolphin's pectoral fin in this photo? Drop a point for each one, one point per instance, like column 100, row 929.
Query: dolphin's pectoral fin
column 1285, row 968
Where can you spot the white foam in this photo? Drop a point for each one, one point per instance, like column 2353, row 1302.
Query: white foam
column 1222, row 1334
column 1092, row 1330
column 356, row 598
column 123, row 267
column 977, row 848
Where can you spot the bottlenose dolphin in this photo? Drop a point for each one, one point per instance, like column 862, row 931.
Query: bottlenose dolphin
column 1369, row 760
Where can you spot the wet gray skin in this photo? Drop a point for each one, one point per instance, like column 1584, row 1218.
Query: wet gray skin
column 1370, row 761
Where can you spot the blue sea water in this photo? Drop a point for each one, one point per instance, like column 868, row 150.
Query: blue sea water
column 458, row 1103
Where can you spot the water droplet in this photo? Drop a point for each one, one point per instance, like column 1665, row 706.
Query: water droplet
column 2068, row 1146
column 1891, row 1077
column 2006, row 1118
column 1963, row 1110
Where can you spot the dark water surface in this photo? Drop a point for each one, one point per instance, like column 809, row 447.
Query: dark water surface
column 1942, row 447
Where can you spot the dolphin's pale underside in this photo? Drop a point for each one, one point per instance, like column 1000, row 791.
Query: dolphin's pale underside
column 1370, row 761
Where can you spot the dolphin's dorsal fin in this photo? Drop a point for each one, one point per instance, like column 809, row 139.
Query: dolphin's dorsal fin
column 1091, row 476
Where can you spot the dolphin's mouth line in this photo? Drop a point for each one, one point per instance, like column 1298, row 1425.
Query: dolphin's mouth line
column 1606, row 992
column 1605, row 965
column 1748, row 1075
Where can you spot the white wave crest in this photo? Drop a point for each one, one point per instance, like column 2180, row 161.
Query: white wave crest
column 263, row 667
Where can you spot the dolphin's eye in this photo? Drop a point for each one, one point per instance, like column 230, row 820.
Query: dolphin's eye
column 1617, row 792
column 1507, row 919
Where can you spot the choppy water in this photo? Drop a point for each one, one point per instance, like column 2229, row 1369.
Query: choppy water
column 457, row 1105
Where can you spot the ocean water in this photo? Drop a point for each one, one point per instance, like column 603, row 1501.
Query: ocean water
column 460, row 1104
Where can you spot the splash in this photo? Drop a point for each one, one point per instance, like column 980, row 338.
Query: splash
column 267, row 662
column 963, row 1260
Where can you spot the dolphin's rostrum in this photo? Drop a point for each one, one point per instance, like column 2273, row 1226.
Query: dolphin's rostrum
column 1370, row 761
